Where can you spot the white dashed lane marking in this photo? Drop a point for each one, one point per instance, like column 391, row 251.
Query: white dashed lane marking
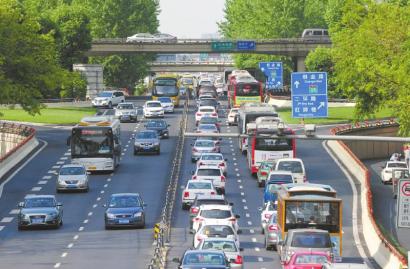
column 236, row 169
column 95, row 205
column 57, row 265
column 63, row 158
column 245, row 208
column 90, row 213
column 1, row 228
column 252, row 231
column 85, row 221
column 70, row 245
column 242, row 193
column 51, row 172
column 108, row 179
column 234, row 160
column 243, row 201
column 249, row 222
column 76, row 237
column 47, row 177
column 98, row 198
column 254, row 239
column 55, row 166
column 64, row 255
column 247, row 215
column 239, row 181
column 238, row 175
column 6, row 219
column 257, row 249
column 260, row 259
column 106, row 185
column 59, row 162
column 36, row 189
column 14, row 212
column 67, row 154
column 102, row 192
column 81, row 229
column 42, row 182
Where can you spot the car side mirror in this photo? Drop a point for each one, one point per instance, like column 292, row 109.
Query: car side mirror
column 144, row 204
column 168, row 125
column 59, row 204
column 192, row 231
column 241, row 249
column 237, row 216
column 21, row 204
column 176, row 260
column 231, row 204
column 192, row 173
column 225, row 159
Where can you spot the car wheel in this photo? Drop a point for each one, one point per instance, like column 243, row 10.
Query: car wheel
column 158, row 152
column 20, row 227
column 135, row 152
column 260, row 184
column 185, row 207
column 192, row 160
column 109, row 105
column 61, row 222
column 87, row 189
column 263, row 231
column 107, row 227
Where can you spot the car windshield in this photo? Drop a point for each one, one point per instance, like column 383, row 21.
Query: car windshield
column 165, row 100
column 204, row 258
column 216, row 214
column 310, row 259
column 125, row 106
column 39, row 202
column 205, row 83
column 294, row 167
column 211, row 202
column 228, row 246
column 146, row 135
column 124, row 201
column 280, row 179
column 66, row 171
column 204, row 144
column 208, row 102
column 207, row 127
column 208, row 157
column 208, row 172
column 154, row 104
column 397, row 165
column 156, row 124
column 217, row 230
column 208, row 120
column 199, row 185
column 273, row 187
column 105, row 94
column 206, row 110
column 311, row 240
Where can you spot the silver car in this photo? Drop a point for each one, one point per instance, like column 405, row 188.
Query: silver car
column 72, row 177
column 270, row 231
column 202, row 146
column 228, row 246
column 147, row 141
column 40, row 211
column 126, row 112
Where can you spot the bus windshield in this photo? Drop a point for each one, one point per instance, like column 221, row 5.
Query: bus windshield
column 316, row 214
column 262, row 143
column 248, row 90
column 91, row 143
column 188, row 81
column 165, row 82
column 162, row 90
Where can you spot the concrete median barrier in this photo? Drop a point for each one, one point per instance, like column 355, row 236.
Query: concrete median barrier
column 384, row 253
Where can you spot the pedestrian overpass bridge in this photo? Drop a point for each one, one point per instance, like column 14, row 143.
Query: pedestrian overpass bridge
column 190, row 66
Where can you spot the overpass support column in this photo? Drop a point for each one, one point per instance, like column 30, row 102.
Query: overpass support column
column 299, row 62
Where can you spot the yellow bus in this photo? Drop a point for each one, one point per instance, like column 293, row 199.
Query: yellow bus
column 166, row 85
column 189, row 82
column 310, row 206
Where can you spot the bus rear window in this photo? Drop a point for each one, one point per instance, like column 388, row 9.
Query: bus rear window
column 248, row 90
column 311, row 240
column 273, row 144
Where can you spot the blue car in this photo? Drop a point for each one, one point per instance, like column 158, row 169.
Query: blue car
column 125, row 210
column 275, row 179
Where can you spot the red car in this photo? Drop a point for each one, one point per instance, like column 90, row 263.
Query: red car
column 307, row 260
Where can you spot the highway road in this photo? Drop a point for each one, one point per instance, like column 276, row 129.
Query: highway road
column 82, row 241
column 385, row 207
column 242, row 190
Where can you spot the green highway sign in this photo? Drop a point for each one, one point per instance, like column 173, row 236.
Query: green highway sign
column 222, row 46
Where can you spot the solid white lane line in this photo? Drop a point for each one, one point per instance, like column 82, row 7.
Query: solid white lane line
column 85, row 221
column 249, row 222
column 64, row 255
column 46, row 177
column 1, row 228
column 57, row 265
column 252, row 231
column 14, row 211
column 254, row 239
column 76, row 237
column 260, row 259
column 90, row 213
column 42, row 182
column 81, row 229
column 36, row 189
column 70, row 245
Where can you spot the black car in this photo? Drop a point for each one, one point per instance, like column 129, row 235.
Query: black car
column 203, row 259
column 125, row 210
column 160, row 126
column 209, row 102
column 210, row 120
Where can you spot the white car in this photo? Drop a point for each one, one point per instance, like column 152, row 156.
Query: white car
column 211, row 173
column 108, row 99
column 387, row 172
column 266, row 212
column 165, row 38
column 72, row 177
column 126, row 112
column 153, row 109
column 213, row 159
column 232, row 116
column 215, row 228
column 229, row 246
column 195, row 187
column 167, row 104
column 215, row 212
column 294, row 165
column 141, row 37
column 207, row 111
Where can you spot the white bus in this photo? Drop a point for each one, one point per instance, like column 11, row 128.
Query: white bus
column 95, row 143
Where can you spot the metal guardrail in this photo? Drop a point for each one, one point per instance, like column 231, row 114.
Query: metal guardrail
column 17, row 129
column 163, row 229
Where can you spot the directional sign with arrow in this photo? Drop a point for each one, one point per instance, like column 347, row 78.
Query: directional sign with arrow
column 274, row 74
column 309, row 95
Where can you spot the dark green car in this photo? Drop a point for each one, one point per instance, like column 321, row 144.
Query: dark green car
column 263, row 172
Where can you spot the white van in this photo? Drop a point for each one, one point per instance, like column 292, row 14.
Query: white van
column 294, row 165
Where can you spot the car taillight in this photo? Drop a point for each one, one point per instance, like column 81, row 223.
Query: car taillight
column 199, row 114
column 214, row 149
column 232, row 219
column 267, row 216
column 223, row 179
column 243, row 140
column 214, row 114
column 193, row 177
column 198, row 219
column 186, row 194
column 264, row 174
column 304, row 179
column 201, row 163
column 272, row 228
column 238, row 259
column 222, row 164
column 212, row 193
column 194, row 210
column 194, row 150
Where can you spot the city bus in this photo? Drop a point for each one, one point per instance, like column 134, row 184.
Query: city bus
column 243, row 89
column 95, row 143
column 248, row 113
column 166, row 85
column 263, row 147
column 314, row 206
column 189, row 82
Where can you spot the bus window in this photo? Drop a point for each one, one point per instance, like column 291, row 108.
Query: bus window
column 273, row 144
column 248, row 90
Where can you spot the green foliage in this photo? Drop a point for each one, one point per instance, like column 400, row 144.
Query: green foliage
column 75, row 86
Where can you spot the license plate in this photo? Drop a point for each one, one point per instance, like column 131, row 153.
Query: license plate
column 199, row 193
column 72, row 186
column 123, row 221
column 36, row 221
column 92, row 167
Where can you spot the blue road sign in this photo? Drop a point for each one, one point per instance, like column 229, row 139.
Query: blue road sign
column 274, row 74
column 309, row 95
column 245, row 45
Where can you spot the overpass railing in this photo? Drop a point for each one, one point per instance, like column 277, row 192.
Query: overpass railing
column 13, row 129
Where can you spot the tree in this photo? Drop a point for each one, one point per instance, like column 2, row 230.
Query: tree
column 122, row 18
column 28, row 65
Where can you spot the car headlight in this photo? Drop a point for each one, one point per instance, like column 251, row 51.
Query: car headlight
column 53, row 215
column 24, row 216
column 156, row 144
column 138, row 214
column 388, row 171
column 110, row 216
